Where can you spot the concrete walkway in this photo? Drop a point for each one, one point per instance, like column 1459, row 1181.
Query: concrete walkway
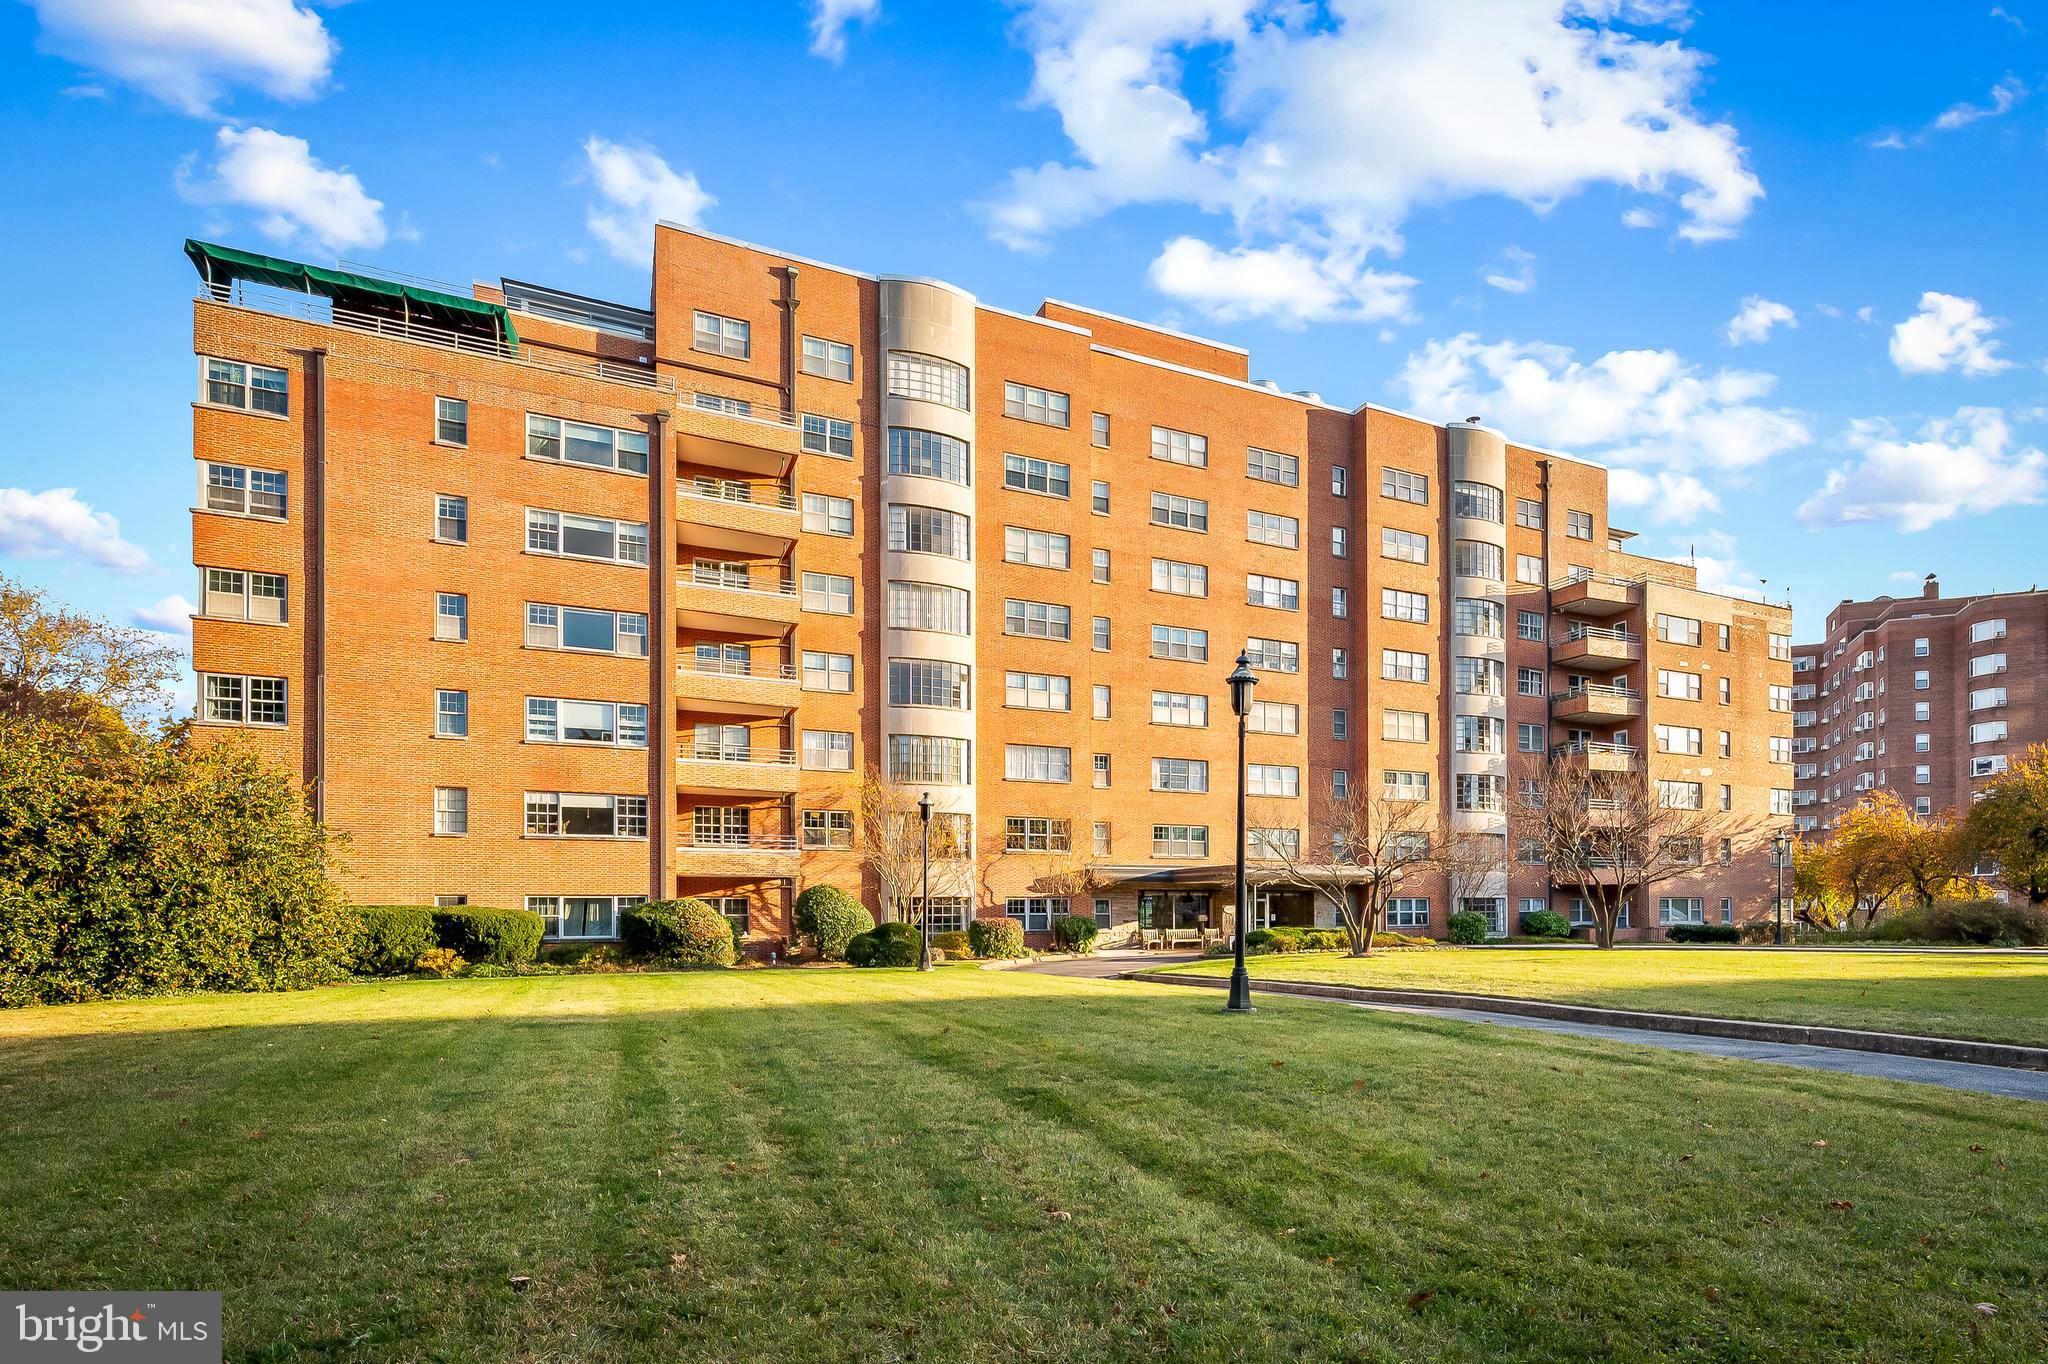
column 2001, row 1080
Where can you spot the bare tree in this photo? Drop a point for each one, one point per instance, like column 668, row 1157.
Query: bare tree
column 889, row 841
column 1612, row 834
column 1362, row 841
column 1068, row 874
column 1471, row 862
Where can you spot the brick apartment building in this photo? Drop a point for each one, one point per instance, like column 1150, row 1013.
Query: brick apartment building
column 1927, row 697
column 564, row 603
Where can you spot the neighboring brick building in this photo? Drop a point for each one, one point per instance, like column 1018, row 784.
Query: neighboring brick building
column 567, row 603
column 1927, row 697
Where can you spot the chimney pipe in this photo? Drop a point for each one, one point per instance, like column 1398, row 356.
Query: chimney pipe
column 1931, row 588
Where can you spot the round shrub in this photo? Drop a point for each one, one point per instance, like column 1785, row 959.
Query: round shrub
column 685, row 932
column 831, row 918
column 1467, row 926
column 996, row 939
column 1074, row 932
column 890, row 944
column 953, row 943
column 1546, row 923
column 390, row 938
column 502, row 937
column 1265, row 940
column 440, row 961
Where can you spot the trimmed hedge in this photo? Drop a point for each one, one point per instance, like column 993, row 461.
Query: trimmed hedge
column 1074, row 932
column 1467, row 927
column 1703, row 933
column 1546, row 923
column 890, row 944
column 685, row 932
column 831, row 918
column 1979, row 923
column 501, row 937
column 997, row 939
column 953, row 943
column 390, row 938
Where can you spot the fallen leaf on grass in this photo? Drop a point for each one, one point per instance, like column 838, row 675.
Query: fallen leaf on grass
column 520, row 1282
column 1713, row 1293
column 1060, row 1215
column 1819, row 1145
column 1975, row 1147
column 1841, row 1205
column 1277, row 1065
column 1416, row 1299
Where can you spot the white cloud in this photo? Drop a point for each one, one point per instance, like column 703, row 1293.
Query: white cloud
column 2004, row 96
column 831, row 18
column 57, row 524
column 638, row 189
column 1328, row 129
column 186, row 52
column 1284, row 284
column 1646, row 408
column 2000, row 12
column 169, row 616
column 1663, row 496
column 1513, row 271
column 293, row 193
column 1642, row 217
column 1947, row 333
column 1955, row 467
column 1725, row 575
column 1755, row 318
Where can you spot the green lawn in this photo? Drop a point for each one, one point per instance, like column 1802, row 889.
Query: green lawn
column 824, row 1165
column 1995, row 999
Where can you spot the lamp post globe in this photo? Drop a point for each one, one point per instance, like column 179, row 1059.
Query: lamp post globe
column 1241, row 681
column 924, row 889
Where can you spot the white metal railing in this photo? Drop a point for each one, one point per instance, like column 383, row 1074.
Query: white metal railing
column 742, row 754
column 1615, row 691
column 770, row 495
column 733, row 667
column 721, row 841
column 1615, row 632
column 752, row 586
column 1609, row 579
column 1571, row 746
column 318, row 308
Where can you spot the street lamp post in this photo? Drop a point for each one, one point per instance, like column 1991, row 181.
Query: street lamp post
column 1241, row 683
column 924, row 888
column 1781, row 850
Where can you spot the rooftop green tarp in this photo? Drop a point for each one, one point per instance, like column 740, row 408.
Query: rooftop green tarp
column 225, row 265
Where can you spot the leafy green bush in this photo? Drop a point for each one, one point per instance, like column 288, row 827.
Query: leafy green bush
column 831, row 918
column 890, row 944
column 1467, row 927
column 684, row 932
column 953, row 943
column 1546, row 923
column 1703, row 933
column 1074, row 932
column 996, row 939
column 390, row 938
column 502, row 937
column 1979, row 923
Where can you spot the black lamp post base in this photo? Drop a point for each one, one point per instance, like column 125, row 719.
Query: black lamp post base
column 1240, row 993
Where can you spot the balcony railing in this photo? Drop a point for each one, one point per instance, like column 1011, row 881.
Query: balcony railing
column 770, row 495
column 1614, row 632
column 1605, row 579
column 747, row 583
column 735, row 667
column 743, row 755
column 1612, row 691
column 1574, row 747
column 720, row 841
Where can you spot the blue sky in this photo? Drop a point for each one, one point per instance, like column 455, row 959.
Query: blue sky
column 1784, row 272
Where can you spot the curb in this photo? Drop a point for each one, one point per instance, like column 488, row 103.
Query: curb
column 2009, row 1055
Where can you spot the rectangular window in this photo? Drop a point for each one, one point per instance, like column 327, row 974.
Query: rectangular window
column 569, row 814
column 1398, row 605
column 597, row 447
column 1340, row 481
column 1268, row 528
column 1529, row 625
column 232, row 594
column 828, row 829
column 828, row 359
column 1037, row 619
column 928, row 454
column 928, row 682
column 1035, row 912
column 577, row 628
column 1098, row 565
column 1403, row 486
column 1101, row 701
column 1098, row 497
column 1273, row 779
column 1340, row 602
column 581, row 916
column 827, row 436
column 451, row 518
column 1184, row 710
column 451, row 810
column 1340, row 784
column 1273, row 655
column 569, row 536
column 1780, row 698
column 1579, row 526
column 1678, row 629
column 1273, row 717
column 1040, row 405
column 1399, row 785
column 1529, row 739
column 1528, row 682
column 927, row 379
column 717, row 335
column 827, row 671
column 560, row 720
column 451, row 421
column 1180, row 579
column 1032, row 833
column 1266, row 466
column 1181, row 513
column 826, row 750
column 451, row 616
column 1528, row 514
column 1682, row 685
column 1098, row 430
column 1405, row 726
column 241, row 491
column 1035, row 475
column 1180, row 840
column 829, row 593
column 228, row 699
column 1098, row 634
column 1280, row 593
column 1180, row 774
column 1984, row 665
column 827, row 515
column 1529, row 569
column 1037, row 762
column 1478, row 733
column 1183, row 645
column 1988, row 731
column 451, row 714
column 1180, row 447
column 1679, row 795
column 253, row 388
column 1401, row 665
column 1678, row 739
column 1408, row 911
column 1984, row 631
column 1037, row 691
column 1404, row 545
column 1681, row 910
column 927, row 606
column 1340, row 542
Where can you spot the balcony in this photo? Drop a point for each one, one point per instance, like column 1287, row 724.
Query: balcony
column 737, row 600
column 735, row 854
column 1591, row 871
column 729, row 768
column 734, row 687
column 1596, row 647
column 1601, row 757
column 718, row 433
column 736, row 516
column 1596, row 595
column 1596, row 702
